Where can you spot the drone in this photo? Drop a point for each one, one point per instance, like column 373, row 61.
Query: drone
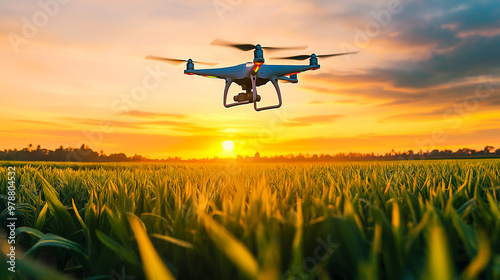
column 251, row 75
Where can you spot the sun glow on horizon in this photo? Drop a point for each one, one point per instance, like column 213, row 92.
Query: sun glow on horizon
column 228, row 145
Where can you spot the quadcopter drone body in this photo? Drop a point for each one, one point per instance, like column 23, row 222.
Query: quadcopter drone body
column 251, row 75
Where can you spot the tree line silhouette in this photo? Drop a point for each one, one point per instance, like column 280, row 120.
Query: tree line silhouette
column 85, row 154
column 82, row 154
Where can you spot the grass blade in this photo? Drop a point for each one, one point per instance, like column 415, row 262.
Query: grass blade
column 57, row 209
column 154, row 267
column 122, row 252
column 53, row 240
column 178, row 242
column 236, row 252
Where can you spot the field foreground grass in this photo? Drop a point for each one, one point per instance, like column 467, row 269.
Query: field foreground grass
column 378, row 220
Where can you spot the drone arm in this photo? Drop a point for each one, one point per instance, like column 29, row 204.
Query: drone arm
column 229, row 81
column 274, row 81
column 292, row 79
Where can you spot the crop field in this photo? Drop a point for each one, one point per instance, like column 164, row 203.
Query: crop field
column 352, row 220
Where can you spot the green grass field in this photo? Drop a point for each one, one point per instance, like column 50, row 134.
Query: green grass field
column 376, row 220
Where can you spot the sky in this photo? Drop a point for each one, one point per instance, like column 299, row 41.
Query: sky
column 73, row 73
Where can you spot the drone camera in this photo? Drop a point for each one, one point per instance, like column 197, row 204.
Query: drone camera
column 245, row 97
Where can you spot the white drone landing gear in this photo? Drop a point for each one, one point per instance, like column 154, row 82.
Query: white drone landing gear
column 253, row 97
column 273, row 80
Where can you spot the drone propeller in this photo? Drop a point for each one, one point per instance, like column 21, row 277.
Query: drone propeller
column 177, row 61
column 249, row 47
column 306, row 56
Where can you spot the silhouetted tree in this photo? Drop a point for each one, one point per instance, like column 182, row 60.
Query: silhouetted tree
column 488, row 149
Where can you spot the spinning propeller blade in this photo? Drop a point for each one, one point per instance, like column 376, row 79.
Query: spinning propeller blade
column 306, row 56
column 177, row 61
column 249, row 47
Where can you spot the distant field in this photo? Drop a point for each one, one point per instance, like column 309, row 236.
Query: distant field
column 370, row 220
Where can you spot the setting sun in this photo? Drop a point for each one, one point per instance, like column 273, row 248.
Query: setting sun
column 228, row 145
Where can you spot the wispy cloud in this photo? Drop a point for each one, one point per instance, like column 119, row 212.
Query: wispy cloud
column 40, row 122
column 151, row 115
column 171, row 125
column 312, row 120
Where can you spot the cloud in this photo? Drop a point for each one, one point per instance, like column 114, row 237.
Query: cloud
column 475, row 16
column 440, row 52
column 416, row 117
column 473, row 57
column 480, row 93
column 142, row 125
column 312, row 120
column 102, row 123
column 39, row 122
column 451, row 57
column 151, row 115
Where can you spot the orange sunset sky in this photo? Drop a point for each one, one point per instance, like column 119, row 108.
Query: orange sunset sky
column 73, row 73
